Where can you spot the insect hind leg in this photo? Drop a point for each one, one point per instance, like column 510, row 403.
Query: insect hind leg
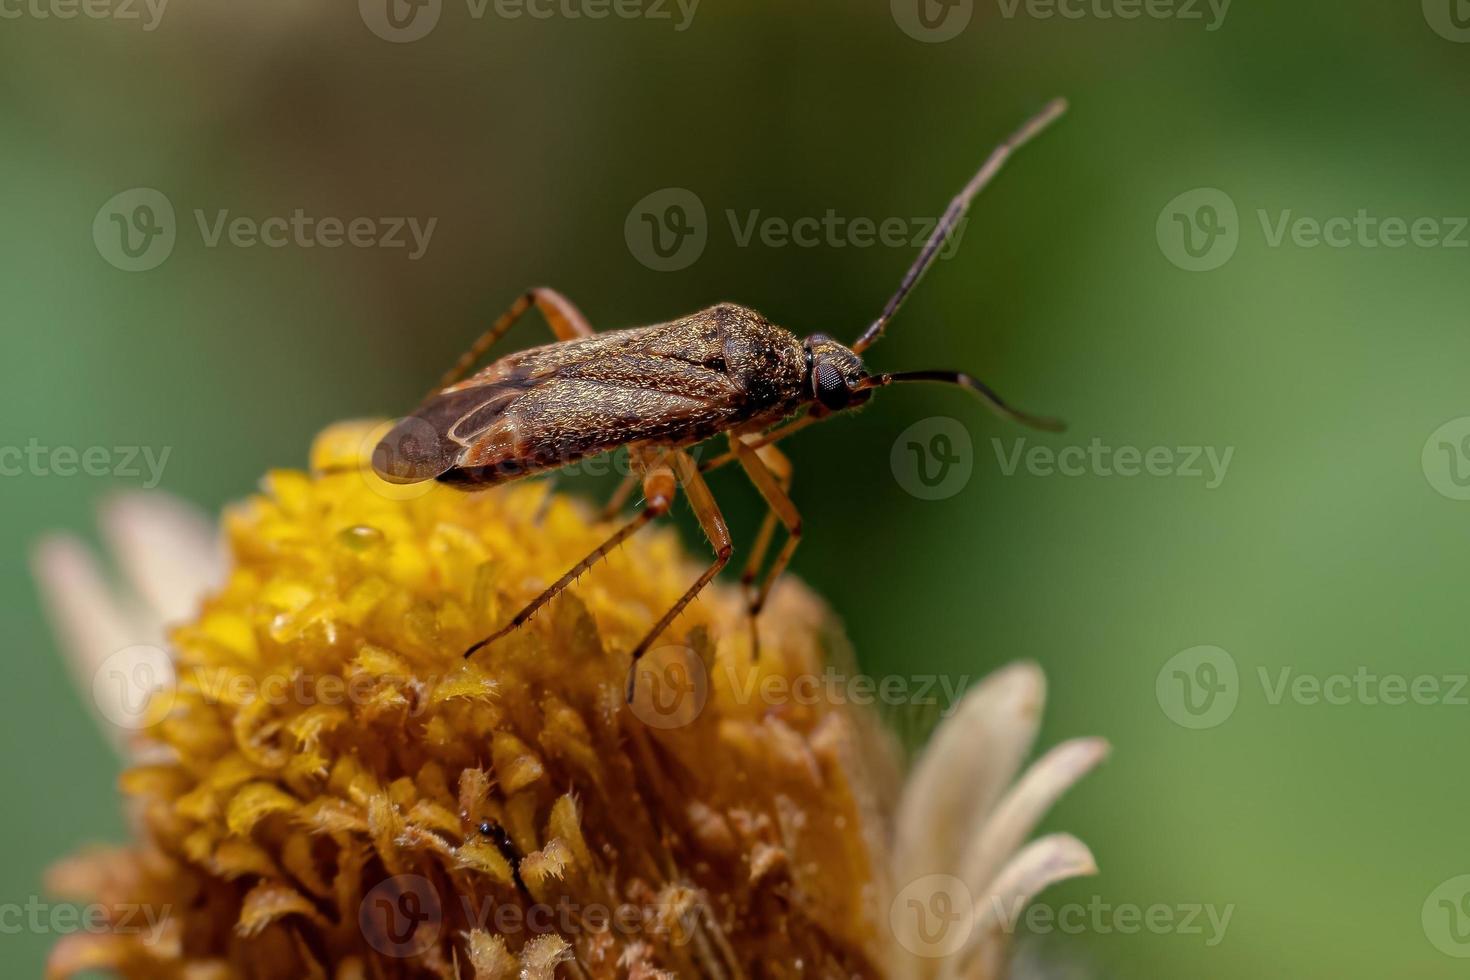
column 713, row 523
column 560, row 313
column 659, row 487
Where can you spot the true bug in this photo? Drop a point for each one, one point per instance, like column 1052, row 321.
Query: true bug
column 659, row 390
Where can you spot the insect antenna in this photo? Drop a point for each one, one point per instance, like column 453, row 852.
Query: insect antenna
column 987, row 394
column 945, row 229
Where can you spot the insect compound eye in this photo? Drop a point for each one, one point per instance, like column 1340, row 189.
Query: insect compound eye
column 832, row 391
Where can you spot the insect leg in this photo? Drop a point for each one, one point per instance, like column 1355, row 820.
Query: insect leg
column 620, row 496
column 566, row 321
column 773, row 486
column 761, row 441
column 780, row 466
column 713, row 523
column 777, row 462
column 659, row 488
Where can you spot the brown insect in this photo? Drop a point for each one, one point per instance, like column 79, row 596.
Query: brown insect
column 659, row 390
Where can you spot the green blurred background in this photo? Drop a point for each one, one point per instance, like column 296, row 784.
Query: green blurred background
column 1326, row 549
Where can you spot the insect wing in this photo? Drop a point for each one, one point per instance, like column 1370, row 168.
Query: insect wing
column 430, row 442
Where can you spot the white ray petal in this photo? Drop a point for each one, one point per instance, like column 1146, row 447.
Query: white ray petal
column 92, row 622
column 969, row 761
column 169, row 550
column 1038, row 865
column 1017, row 814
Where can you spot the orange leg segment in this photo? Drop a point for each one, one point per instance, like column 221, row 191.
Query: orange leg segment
column 561, row 314
column 713, row 523
column 658, row 490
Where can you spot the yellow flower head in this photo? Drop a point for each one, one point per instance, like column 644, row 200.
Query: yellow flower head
column 327, row 788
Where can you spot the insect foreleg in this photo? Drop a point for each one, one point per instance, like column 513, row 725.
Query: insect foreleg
column 777, row 462
column 658, row 490
column 761, row 441
column 773, row 480
column 780, row 467
column 713, row 523
column 565, row 320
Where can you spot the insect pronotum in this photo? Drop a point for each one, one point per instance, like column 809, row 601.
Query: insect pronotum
column 658, row 391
